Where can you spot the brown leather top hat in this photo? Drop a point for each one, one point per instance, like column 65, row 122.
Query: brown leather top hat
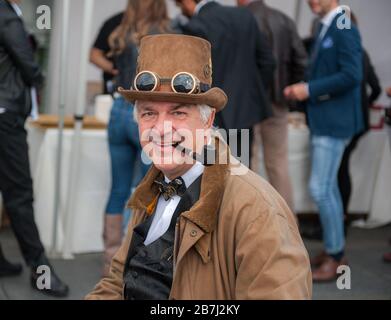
column 175, row 68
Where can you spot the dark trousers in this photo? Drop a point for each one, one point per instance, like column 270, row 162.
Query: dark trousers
column 344, row 179
column 16, row 185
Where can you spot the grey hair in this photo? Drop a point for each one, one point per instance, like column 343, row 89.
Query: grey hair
column 205, row 112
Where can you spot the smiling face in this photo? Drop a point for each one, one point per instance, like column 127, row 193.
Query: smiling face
column 165, row 127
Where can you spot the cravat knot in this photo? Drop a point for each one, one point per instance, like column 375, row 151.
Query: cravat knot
column 171, row 189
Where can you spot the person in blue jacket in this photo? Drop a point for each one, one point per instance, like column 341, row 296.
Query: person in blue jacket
column 333, row 100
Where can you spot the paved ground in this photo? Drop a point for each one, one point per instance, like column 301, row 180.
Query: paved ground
column 370, row 277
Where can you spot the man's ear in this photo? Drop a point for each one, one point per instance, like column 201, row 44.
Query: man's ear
column 211, row 119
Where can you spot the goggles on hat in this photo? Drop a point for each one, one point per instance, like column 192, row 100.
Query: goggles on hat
column 182, row 82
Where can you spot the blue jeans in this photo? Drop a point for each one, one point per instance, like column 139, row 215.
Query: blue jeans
column 127, row 168
column 326, row 155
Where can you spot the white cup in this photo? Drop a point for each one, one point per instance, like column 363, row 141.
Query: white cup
column 103, row 104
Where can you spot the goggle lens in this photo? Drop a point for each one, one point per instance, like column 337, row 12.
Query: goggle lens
column 145, row 82
column 183, row 83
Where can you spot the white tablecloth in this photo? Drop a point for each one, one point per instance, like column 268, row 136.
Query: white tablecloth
column 370, row 168
column 92, row 187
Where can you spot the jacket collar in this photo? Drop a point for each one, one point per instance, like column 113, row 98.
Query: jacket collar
column 204, row 213
column 16, row 8
column 200, row 5
column 330, row 31
column 205, row 6
column 328, row 19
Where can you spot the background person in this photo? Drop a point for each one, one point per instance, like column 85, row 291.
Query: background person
column 291, row 63
column 387, row 256
column 18, row 74
column 333, row 96
column 141, row 17
column 242, row 60
column 100, row 49
column 370, row 81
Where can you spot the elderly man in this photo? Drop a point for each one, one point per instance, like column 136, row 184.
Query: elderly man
column 206, row 228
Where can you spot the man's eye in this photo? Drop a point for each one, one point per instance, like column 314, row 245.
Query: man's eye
column 179, row 113
column 147, row 114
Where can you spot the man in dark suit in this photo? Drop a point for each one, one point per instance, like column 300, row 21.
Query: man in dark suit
column 333, row 94
column 18, row 73
column 291, row 60
column 243, row 63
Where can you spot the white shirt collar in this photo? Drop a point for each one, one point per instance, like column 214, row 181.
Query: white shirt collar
column 200, row 5
column 328, row 19
column 16, row 8
column 191, row 175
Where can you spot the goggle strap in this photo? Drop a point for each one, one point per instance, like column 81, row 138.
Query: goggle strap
column 204, row 87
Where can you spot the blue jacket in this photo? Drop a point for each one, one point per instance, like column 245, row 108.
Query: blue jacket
column 334, row 77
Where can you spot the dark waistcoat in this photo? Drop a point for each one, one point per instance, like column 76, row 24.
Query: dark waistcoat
column 148, row 269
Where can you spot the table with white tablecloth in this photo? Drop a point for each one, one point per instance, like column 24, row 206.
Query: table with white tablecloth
column 370, row 168
column 92, row 187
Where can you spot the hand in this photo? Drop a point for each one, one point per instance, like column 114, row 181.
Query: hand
column 288, row 93
column 110, row 68
column 114, row 72
column 297, row 92
column 389, row 92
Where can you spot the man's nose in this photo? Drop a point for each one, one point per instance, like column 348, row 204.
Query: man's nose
column 163, row 125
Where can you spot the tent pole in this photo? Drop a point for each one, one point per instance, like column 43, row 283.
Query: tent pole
column 61, row 113
column 74, row 169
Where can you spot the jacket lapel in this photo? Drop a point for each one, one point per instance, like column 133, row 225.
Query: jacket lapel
column 329, row 34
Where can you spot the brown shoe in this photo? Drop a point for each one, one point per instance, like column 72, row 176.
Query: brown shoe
column 327, row 271
column 387, row 257
column 319, row 259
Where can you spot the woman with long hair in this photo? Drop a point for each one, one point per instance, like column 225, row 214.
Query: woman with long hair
column 141, row 18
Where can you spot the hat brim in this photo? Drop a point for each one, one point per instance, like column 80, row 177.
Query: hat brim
column 215, row 97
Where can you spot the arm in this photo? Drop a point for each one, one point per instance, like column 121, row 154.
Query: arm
column 17, row 45
column 272, row 262
column 98, row 58
column 101, row 47
column 350, row 72
column 372, row 79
